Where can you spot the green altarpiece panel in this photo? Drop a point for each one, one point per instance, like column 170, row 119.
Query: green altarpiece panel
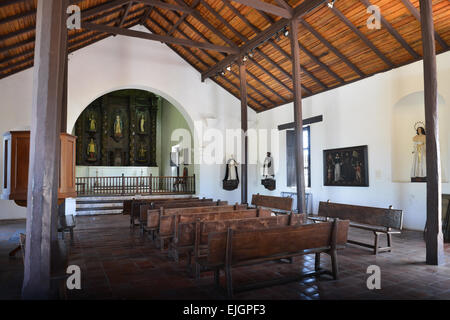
column 118, row 129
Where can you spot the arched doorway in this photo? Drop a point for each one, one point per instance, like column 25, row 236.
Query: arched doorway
column 126, row 146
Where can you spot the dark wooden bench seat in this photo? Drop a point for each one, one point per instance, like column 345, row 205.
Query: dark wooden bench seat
column 380, row 221
column 168, row 224
column 150, row 219
column 231, row 249
column 278, row 205
column 192, row 237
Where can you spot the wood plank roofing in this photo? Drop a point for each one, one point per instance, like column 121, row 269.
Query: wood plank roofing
column 336, row 46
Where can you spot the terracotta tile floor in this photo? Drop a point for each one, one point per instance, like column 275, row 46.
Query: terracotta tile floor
column 117, row 263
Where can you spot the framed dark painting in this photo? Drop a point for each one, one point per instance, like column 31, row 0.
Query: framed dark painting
column 346, row 167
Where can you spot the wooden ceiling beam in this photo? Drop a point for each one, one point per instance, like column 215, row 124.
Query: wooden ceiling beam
column 155, row 37
column 267, row 7
column 207, row 24
column 394, row 32
column 416, row 15
column 125, row 14
column 285, row 5
column 29, row 54
column 327, row 44
column 298, row 12
column 146, row 14
column 273, row 43
column 29, row 41
column 209, row 55
column 361, row 36
column 100, row 9
column 243, row 38
column 181, row 19
column 168, row 6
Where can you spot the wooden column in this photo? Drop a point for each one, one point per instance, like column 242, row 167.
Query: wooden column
column 298, row 118
column 64, row 91
column 44, row 147
column 244, row 127
column 434, row 237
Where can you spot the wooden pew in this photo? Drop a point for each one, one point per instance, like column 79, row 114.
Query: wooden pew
column 149, row 218
column 184, row 227
column 127, row 204
column 278, row 204
column 231, row 249
column 153, row 216
column 168, row 224
column 174, row 203
column 192, row 237
column 378, row 220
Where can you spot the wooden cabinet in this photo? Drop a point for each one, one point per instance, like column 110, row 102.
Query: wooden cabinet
column 16, row 154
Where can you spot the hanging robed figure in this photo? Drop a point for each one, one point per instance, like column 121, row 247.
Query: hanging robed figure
column 231, row 180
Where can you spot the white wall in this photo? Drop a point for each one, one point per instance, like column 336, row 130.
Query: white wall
column 366, row 113
column 120, row 63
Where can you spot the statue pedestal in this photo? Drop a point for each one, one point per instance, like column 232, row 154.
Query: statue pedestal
column 419, row 179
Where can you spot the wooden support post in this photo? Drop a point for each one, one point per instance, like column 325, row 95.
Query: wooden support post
column 434, row 237
column 298, row 119
column 44, row 148
column 244, row 127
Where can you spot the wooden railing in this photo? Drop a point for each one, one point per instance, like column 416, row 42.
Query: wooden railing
column 102, row 186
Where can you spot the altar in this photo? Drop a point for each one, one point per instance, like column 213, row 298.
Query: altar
column 105, row 171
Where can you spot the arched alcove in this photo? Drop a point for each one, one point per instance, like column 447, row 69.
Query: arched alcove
column 150, row 127
column 407, row 111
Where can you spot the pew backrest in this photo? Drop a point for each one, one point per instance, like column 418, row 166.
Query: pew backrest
column 169, row 223
column 191, row 233
column 381, row 217
column 280, row 203
column 244, row 245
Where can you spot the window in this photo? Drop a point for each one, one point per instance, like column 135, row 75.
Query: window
column 290, row 157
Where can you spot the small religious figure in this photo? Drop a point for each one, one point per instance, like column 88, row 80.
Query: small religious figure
column 142, row 123
column 92, row 151
column 268, row 180
column 142, row 153
column 419, row 168
column 358, row 176
column 92, row 123
column 118, row 127
column 231, row 180
column 268, row 171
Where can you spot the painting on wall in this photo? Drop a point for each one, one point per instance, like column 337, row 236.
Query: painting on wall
column 346, row 167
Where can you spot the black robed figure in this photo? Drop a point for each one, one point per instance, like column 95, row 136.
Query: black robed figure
column 231, row 180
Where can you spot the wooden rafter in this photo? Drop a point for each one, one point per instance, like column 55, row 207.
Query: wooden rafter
column 155, row 37
column 326, row 43
column 361, row 35
column 298, row 12
column 394, row 32
column 267, row 7
column 125, row 13
column 416, row 15
column 209, row 56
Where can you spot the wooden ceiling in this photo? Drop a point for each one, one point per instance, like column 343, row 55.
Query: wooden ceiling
column 336, row 46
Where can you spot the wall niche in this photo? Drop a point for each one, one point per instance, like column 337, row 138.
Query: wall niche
column 406, row 113
column 118, row 129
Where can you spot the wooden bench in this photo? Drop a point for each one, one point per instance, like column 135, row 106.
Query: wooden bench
column 276, row 204
column 231, row 249
column 193, row 237
column 152, row 224
column 168, row 224
column 386, row 221
column 184, row 228
column 135, row 208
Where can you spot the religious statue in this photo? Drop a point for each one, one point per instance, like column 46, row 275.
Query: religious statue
column 268, row 180
column 92, row 123
column 118, row 127
column 142, row 153
column 231, row 180
column 92, row 151
column 142, row 123
column 419, row 166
